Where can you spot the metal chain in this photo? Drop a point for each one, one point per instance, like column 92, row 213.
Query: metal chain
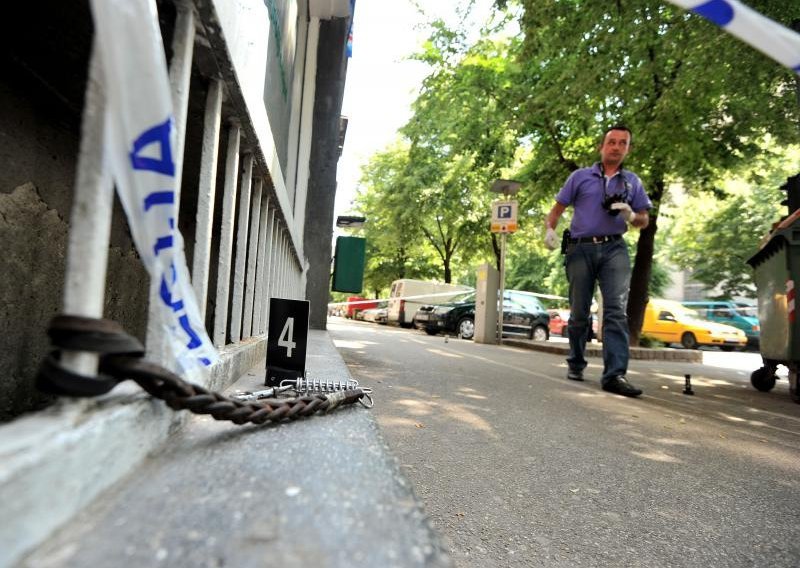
column 121, row 359
column 308, row 386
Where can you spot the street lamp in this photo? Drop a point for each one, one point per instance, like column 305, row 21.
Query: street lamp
column 350, row 221
column 504, row 221
column 507, row 187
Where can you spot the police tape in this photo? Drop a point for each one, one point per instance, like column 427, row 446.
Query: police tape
column 768, row 36
column 425, row 296
column 141, row 138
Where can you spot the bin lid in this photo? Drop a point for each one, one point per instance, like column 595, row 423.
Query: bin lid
column 776, row 242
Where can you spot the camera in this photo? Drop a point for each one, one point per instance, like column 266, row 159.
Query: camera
column 566, row 237
column 611, row 200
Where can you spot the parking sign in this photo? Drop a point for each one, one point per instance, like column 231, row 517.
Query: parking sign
column 504, row 216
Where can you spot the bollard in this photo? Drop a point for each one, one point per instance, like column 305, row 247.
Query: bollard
column 687, row 389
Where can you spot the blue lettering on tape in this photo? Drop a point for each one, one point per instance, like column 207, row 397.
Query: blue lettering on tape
column 194, row 339
column 159, row 134
column 155, row 142
column 718, row 11
column 166, row 297
column 159, row 198
column 162, row 243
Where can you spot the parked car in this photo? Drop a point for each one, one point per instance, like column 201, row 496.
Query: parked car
column 558, row 322
column 738, row 314
column 408, row 295
column 523, row 314
column 356, row 305
column 376, row 315
column 672, row 322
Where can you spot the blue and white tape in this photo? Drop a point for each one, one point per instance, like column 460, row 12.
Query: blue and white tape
column 768, row 36
column 140, row 155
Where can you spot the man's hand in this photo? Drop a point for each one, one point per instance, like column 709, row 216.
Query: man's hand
column 551, row 239
column 625, row 211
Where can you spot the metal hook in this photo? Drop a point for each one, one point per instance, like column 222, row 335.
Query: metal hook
column 368, row 397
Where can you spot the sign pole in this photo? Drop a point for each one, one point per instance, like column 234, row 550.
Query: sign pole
column 504, row 221
column 502, row 287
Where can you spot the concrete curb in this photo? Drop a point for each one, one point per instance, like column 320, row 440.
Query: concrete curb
column 55, row 462
column 643, row 353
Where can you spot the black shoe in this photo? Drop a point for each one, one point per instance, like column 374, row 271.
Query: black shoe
column 620, row 385
column 574, row 375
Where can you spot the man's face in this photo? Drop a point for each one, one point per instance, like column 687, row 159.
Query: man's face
column 615, row 147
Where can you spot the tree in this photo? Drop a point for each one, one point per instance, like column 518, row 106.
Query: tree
column 679, row 83
column 713, row 235
column 462, row 119
column 386, row 198
column 451, row 208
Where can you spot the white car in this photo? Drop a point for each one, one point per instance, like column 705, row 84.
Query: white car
column 375, row 315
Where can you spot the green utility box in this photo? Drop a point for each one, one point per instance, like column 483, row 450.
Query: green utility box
column 777, row 269
column 348, row 264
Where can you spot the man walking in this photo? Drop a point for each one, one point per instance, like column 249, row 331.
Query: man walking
column 605, row 197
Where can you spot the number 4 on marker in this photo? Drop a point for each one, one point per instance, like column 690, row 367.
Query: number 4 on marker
column 285, row 339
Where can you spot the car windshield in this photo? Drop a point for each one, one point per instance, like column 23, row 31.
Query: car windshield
column 747, row 310
column 458, row 298
column 528, row 303
column 689, row 314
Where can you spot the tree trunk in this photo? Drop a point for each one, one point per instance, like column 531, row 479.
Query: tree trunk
column 643, row 268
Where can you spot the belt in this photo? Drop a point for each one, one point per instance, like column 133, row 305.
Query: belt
column 596, row 240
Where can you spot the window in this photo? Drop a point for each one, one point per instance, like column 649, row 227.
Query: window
column 666, row 316
column 528, row 302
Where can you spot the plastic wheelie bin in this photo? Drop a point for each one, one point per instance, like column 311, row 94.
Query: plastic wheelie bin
column 777, row 269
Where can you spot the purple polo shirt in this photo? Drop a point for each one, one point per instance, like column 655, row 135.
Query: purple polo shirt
column 584, row 191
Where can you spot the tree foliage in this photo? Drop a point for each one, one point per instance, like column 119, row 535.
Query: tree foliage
column 712, row 235
column 698, row 101
column 532, row 106
column 392, row 231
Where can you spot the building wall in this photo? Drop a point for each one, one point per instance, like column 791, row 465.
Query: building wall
column 331, row 71
column 44, row 49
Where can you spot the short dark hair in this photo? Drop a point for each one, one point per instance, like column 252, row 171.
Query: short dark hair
column 616, row 127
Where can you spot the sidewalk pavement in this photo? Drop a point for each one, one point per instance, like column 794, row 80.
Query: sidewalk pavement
column 322, row 491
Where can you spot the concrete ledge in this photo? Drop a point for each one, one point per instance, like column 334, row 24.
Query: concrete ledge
column 54, row 462
column 596, row 350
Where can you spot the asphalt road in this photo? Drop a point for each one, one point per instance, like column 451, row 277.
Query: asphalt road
column 519, row 467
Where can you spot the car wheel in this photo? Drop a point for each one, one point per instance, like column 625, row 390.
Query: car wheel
column 430, row 331
column 466, row 328
column 689, row 341
column 539, row 333
column 762, row 380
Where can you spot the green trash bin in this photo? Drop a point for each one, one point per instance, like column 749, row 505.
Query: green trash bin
column 777, row 268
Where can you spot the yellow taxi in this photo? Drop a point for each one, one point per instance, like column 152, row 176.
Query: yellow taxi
column 671, row 322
